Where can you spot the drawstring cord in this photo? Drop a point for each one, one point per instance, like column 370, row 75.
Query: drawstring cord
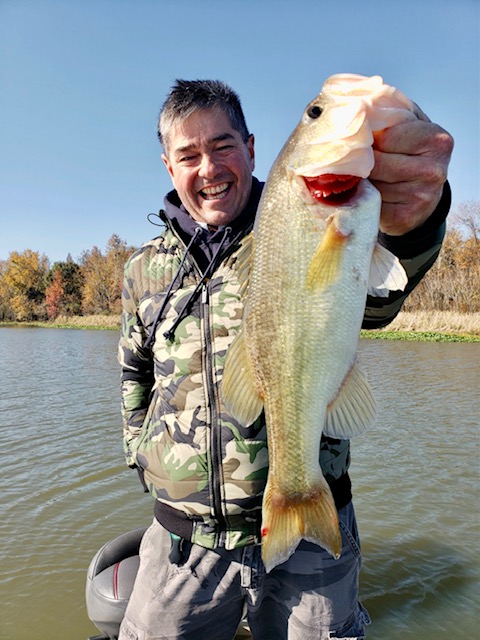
column 168, row 293
column 168, row 335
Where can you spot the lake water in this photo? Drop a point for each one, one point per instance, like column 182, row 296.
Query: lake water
column 65, row 490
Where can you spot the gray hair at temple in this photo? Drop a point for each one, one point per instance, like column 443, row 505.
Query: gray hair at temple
column 186, row 96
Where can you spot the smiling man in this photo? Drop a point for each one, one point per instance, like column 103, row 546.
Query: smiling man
column 211, row 166
column 200, row 561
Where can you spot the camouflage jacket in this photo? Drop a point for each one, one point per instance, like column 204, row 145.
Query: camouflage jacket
column 176, row 329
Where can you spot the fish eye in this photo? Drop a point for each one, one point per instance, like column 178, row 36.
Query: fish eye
column 314, row 112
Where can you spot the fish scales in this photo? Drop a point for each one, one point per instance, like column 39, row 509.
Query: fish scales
column 309, row 256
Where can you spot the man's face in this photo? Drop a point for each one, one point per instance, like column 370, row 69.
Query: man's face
column 210, row 166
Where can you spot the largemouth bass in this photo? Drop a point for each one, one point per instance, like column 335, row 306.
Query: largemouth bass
column 306, row 269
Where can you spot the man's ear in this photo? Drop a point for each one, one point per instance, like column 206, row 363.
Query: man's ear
column 251, row 149
column 168, row 164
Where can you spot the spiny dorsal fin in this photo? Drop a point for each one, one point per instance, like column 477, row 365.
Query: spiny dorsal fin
column 243, row 262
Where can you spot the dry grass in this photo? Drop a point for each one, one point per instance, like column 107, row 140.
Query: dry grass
column 437, row 322
column 88, row 322
column 411, row 321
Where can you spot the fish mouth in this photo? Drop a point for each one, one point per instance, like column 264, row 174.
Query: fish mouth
column 332, row 189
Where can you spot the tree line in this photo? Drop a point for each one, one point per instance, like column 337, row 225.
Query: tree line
column 453, row 283
column 32, row 289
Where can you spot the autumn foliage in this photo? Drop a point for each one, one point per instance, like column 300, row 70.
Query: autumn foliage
column 453, row 283
column 31, row 289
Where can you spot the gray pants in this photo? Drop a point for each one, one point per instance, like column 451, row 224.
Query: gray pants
column 309, row 597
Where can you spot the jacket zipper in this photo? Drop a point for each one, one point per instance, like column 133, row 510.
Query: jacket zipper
column 215, row 431
column 215, row 436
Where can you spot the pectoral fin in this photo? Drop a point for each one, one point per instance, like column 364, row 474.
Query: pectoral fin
column 353, row 409
column 386, row 273
column 326, row 262
column 239, row 391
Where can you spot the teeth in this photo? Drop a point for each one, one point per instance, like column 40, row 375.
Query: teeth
column 212, row 191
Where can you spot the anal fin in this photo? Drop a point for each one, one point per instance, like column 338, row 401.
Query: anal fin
column 353, row 409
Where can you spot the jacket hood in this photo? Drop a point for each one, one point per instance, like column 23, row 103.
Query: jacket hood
column 207, row 242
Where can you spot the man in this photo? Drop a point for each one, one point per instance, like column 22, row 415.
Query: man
column 201, row 559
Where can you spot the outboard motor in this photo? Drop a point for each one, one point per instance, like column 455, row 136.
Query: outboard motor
column 110, row 579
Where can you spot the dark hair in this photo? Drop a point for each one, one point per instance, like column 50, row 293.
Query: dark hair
column 186, row 96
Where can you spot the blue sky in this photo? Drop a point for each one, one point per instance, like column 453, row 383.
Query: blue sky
column 81, row 84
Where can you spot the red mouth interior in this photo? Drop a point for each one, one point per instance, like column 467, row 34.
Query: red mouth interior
column 332, row 189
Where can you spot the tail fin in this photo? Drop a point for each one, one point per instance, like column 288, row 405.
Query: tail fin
column 289, row 518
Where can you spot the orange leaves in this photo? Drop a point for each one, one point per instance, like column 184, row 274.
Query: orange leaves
column 32, row 290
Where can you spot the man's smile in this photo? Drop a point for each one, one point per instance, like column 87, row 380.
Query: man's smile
column 216, row 192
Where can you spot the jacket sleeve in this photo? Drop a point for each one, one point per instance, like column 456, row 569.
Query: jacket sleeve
column 136, row 364
column 417, row 251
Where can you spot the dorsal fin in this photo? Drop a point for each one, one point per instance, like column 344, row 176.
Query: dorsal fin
column 243, row 262
column 239, row 391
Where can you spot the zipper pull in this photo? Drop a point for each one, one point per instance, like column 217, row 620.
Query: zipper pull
column 204, row 297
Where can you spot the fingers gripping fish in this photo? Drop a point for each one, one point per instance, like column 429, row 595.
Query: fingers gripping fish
column 306, row 270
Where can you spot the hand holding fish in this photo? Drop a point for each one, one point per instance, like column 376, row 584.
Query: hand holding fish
column 317, row 196
column 411, row 161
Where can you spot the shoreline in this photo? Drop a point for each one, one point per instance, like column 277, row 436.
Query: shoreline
column 424, row 326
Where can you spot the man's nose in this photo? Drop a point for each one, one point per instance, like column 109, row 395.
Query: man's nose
column 208, row 167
